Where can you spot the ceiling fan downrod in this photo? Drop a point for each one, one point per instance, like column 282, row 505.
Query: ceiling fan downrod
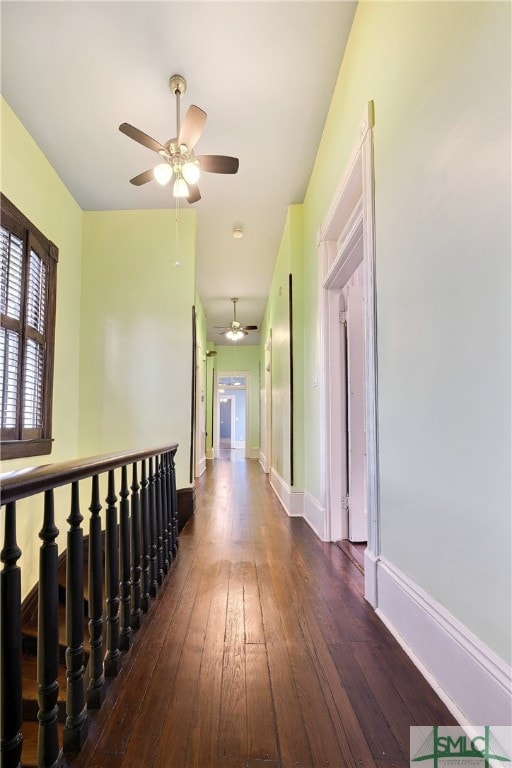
column 178, row 86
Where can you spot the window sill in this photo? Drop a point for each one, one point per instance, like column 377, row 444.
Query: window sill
column 19, row 449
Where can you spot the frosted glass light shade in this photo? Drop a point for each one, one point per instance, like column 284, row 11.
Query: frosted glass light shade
column 234, row 335
column 191, row 172
column 163, row 173
column 180, row 188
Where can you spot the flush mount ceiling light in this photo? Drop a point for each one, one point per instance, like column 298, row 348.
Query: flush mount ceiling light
column 238, row 232
column 177, row 155
column 235, row 330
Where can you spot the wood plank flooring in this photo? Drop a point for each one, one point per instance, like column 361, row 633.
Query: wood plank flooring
column 260, row 653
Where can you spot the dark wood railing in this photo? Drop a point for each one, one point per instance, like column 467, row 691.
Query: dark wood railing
column 140, row 545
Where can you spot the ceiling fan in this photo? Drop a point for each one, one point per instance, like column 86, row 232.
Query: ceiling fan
column 177, row 154
column 235, row 330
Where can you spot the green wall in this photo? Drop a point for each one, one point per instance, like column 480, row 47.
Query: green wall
column 276, row 325
column 123, row 338
column 136, row 332
column 439, row 76
column 32, row 185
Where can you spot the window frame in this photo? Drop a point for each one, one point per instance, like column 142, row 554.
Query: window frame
column 20, row 442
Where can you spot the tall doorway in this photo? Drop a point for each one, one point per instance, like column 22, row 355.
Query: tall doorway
column 356, row 524
column 232, row 415
column 348, row 360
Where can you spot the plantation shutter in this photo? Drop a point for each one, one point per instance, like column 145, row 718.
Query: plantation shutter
column 27, row 307
column 11, row 334
column 35, row 328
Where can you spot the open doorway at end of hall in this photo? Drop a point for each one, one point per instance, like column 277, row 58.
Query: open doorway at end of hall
column 231, row 412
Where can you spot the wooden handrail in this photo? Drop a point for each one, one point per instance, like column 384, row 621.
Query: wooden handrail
column 26, row 482
column 124, row 573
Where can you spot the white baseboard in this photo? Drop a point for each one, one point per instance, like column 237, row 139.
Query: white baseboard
column 314, row 514
column 201, row 466
column 472, row 681
column 263, row 462
column 209, row 454
column 292, row 501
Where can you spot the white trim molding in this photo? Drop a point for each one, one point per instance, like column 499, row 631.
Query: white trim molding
column 469, row 677
column 291, row 501
column 345, row 237
column 314, row 515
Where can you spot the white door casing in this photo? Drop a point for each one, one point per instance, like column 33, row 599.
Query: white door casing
column 346, row 236
column 216, row 408
column 355, row 374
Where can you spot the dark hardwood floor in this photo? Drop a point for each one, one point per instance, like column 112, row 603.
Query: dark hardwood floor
column 260, row 653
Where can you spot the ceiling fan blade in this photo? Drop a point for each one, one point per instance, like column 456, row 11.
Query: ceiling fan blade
column 142, row 138
column 249, row 328
column 192, row 126
column 143, row 178
column 193, row 193
column 218, row 163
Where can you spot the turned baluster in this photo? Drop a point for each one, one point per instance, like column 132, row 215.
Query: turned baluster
column 135, row 542
column 170, row 521
column 125, row 639
column 174, row 497
column 146, row 537
column 159, row 524
column 153, row 565
column 166, row 496
column 163, row 505
column 96, row 688
column 75, row 730
column 48, row 752
column 112, row 658
column 10, row 639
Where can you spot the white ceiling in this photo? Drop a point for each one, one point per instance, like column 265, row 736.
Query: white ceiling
column 263, row 71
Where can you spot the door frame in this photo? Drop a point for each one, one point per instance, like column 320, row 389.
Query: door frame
column 349, row 225
column 200, row 425
column 216, row 435
column 266, row 411
column 232, row 412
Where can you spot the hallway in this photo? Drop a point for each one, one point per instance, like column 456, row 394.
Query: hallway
column 260, row 652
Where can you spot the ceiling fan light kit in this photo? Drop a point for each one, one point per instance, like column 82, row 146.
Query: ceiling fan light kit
column 177, row 154
column 235, row 330
column 238, row 232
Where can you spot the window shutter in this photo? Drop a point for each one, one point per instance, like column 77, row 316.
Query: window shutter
column 12, row 249
column 27, row 308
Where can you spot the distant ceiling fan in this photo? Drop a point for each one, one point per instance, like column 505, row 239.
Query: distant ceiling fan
column 235, row 330
column 178, row 154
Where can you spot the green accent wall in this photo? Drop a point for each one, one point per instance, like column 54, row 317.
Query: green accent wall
column 29, row 181
column 440, row 78
column 276, row 325
column 136, row 332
